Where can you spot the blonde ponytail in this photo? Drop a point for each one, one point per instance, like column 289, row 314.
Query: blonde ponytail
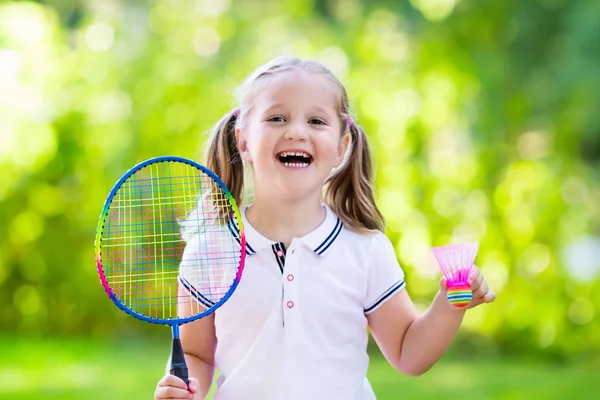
column 349, row 191
column 223, row 157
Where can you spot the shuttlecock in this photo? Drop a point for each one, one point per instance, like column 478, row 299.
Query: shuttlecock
column 456, row 263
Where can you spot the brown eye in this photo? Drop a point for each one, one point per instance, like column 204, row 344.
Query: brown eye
column 276, row 119
column 317, row 121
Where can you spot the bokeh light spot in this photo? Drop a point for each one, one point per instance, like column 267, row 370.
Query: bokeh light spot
column 26, row 227
column 27, row 300
column 581, row 311
column 206, row 42
column 582, row 258
column 434, row 10
column 547, row 334
column 10, row 65
column 532, row 146
column 574, row 191
column 99, row 37
column 536, row 258
column 335, row 59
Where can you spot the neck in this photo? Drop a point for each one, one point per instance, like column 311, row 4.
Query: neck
column 281, row 221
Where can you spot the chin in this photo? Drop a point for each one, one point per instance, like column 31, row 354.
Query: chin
column 298, row 191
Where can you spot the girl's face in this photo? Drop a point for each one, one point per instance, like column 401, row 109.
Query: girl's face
column 293, row 136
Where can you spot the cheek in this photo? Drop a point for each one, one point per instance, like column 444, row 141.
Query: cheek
column 332, row 148
column 258, row 151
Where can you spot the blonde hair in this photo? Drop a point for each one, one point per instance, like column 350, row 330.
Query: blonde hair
column 348, row 191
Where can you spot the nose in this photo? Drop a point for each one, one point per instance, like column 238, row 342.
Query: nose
column 296, row 131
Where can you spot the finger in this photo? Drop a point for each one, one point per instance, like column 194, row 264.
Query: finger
column 172, row 381
column 170, row 392
column 194, row 385
column 443, row 285
column 475, row 272
column 475, row 279
column 489, row 296
column 481, row 290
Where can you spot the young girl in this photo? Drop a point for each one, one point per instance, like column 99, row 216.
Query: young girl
column 318, row 267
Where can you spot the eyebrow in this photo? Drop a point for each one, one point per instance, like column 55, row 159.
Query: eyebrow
column 272, row 107
column 275, row 106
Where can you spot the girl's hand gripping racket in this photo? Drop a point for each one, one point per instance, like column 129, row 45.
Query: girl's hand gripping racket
column 170, row 245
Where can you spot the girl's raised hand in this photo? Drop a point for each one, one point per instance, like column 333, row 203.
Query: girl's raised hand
column 479, row 287
column 173, row 388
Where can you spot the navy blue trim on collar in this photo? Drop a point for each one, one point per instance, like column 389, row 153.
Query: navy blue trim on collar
column 330, row 239
column 320, row 240
column 236, row 234
column 279, row 247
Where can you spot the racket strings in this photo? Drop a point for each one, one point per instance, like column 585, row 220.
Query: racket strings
column 166, row 222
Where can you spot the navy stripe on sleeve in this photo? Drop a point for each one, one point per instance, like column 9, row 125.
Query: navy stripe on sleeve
column 195, row 293
column 387, row 294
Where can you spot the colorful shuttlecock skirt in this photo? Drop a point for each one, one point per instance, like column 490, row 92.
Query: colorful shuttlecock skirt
column 459, row 295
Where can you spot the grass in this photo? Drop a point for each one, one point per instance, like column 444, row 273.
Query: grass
column 82, row 369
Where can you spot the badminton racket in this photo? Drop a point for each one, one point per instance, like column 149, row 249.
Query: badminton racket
column 170, row 245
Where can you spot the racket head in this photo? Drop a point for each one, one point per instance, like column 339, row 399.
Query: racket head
column 144, row 215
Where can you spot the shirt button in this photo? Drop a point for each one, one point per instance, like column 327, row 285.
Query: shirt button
column 290, row 304
column 279, row 253
column 293, row 251
column 290, row 277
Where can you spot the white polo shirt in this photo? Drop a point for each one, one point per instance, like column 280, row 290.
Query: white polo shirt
column 295, row 328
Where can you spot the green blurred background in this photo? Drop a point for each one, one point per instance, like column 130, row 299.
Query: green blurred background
column 483, row 116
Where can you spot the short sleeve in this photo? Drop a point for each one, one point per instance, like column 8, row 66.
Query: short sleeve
column 209, row 266
column 385, row 277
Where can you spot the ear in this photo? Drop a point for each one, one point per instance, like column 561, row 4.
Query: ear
column 342, row 147
column 242, row 144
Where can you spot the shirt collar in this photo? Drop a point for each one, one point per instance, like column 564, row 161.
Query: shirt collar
column 319, row 240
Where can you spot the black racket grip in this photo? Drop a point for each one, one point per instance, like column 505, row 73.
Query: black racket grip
column 178, row 365
column 180, row 371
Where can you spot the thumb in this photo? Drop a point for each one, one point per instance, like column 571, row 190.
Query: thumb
column 443, row 285
column 193, row 385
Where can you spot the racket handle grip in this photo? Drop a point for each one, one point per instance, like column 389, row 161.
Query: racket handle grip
column 178, row 365
column 180, row 371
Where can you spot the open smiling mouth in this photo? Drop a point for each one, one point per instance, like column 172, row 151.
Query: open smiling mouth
column 295, row 159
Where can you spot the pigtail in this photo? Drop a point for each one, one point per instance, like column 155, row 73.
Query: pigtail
column 349, row 191
column 223, row 157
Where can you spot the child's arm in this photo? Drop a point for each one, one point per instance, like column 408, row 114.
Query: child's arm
column 413, row 343
column 198, row 340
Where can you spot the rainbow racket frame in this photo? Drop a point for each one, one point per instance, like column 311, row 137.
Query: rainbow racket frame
column 173, row 322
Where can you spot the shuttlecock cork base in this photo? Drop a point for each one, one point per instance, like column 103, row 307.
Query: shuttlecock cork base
column 460, row 295
column 456, row 263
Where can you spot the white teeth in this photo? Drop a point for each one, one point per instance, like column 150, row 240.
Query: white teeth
column 291, row 153
column 295, row 165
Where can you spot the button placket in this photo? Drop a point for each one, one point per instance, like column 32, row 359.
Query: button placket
column 288, row 279
column 291, row 301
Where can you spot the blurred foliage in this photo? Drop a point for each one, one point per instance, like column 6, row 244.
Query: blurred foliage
column 483, row 118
